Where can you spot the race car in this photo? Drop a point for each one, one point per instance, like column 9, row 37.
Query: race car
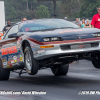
column 47, row 43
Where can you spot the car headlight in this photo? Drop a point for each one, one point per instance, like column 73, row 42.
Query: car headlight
column 96, row 34
column 55, row 39
column 46, row 39
column 52, row 39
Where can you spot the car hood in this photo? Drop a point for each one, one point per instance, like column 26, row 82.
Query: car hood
column 65, row 34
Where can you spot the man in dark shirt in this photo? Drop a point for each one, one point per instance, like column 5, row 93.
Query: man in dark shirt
column 6, row 27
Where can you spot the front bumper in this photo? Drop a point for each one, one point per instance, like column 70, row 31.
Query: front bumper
column 40, row 54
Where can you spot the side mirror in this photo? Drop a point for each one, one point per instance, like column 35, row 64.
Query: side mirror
column 14, row 35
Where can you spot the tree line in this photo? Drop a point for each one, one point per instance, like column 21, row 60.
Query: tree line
column 15, row 10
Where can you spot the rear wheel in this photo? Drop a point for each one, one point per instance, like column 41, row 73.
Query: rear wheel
column 4, row 74
column 31, row 64
column 60, row 70
column 96, row 62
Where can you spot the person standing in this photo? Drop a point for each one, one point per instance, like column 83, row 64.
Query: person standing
column 83, row 23
column 77, row 22
column 6, row 27
column 96, row 19
column 87, row 24
column 24, row 19
column 84, row 19
column 65, row 18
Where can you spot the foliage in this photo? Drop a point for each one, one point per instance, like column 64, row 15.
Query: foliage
column 42, row 12
column 70, row 8
column 89, row 8
column 15, row 10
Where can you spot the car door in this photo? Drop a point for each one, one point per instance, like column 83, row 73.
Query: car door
column 8, row 49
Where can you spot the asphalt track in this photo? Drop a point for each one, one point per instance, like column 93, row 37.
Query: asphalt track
column 82, row 76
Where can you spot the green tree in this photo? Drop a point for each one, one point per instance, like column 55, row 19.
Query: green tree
column 42, row 12
column 70, row 8
column 89, row 8
column 17, row 9
column 10, row 11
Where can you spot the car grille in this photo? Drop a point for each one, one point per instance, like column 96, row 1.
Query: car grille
column 79, row 46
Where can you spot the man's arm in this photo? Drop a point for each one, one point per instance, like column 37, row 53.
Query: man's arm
column 79, row 24
column 4, row 30
column 93, row 22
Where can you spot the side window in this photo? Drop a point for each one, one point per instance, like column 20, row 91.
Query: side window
column 14, row 29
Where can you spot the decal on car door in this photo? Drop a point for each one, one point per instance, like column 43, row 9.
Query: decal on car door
column 9, row 50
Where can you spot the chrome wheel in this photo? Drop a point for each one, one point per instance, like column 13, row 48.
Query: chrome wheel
column 31, row 64
column 28, row 60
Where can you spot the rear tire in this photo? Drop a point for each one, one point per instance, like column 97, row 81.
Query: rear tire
column 4, row 74
column 96, row 63
column 31, row 64
column 60, row 70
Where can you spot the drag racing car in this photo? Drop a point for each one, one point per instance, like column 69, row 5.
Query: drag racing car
column 47, row 43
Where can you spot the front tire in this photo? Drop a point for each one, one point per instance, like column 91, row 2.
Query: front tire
column 31, row 64
column 60, row 70
column 4, row 74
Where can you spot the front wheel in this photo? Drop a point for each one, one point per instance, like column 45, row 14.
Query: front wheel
column 60, row 70
column 31, row 64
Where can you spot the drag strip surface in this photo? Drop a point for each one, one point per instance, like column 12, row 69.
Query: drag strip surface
column 82, row 76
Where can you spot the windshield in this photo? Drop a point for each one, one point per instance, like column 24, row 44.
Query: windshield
column 45, row 24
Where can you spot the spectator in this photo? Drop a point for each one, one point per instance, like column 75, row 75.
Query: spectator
column 84, row 19
column 77, row 22
column 24, row 19
column 65, row 18
column 87, row 24
column 6, row 27
column 83, row 23
column 96, row 19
